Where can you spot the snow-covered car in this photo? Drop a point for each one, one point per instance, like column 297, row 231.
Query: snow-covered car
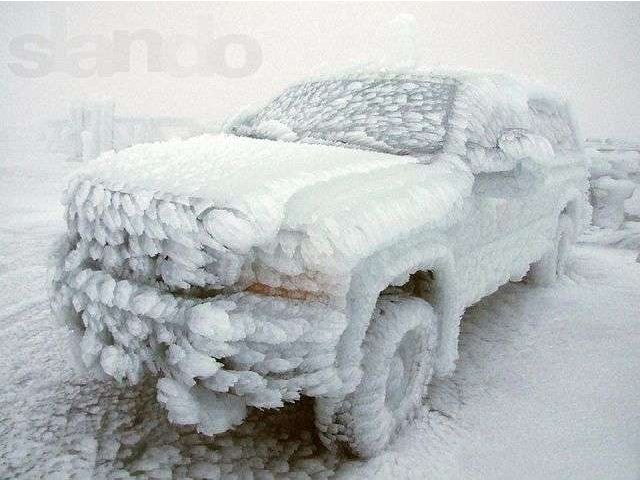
column 325, row 245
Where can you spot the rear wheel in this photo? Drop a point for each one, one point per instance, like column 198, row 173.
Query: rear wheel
column 553, row 263
column 397, row 364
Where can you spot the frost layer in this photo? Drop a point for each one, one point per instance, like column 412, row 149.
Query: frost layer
column 132, row 282
column 244, row 271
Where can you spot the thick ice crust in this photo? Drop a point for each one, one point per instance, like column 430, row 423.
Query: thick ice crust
column 130, row 279
column 308, row 205
column 245, row 271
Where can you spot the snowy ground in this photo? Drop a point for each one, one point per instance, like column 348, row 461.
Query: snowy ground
column 547, row 385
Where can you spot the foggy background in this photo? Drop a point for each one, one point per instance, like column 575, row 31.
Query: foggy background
column 588, row 51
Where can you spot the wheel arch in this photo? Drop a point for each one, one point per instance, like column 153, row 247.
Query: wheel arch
column 374, row 274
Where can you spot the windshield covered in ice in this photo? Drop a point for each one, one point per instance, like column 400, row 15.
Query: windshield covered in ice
column 399, row 116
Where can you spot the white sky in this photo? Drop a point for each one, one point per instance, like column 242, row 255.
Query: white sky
column 589, row 51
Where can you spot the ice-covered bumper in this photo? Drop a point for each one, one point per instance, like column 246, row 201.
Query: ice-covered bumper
column 215, row 356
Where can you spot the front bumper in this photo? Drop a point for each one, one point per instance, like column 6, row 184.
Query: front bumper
column 215, row 356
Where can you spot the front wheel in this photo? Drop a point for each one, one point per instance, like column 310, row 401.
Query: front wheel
column 397, row 364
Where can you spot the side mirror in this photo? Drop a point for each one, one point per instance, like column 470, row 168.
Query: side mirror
column 526, row 154
column 518, row 145
column 515, row 149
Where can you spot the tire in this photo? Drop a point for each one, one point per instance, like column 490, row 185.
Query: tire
column 553, row 264
column 397, row 364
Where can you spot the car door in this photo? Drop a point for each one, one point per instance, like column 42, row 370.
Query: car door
column 506, row 225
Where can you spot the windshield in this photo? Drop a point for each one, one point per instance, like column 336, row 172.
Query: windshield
column 399, row 116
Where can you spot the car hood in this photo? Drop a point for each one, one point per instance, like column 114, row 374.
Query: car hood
column 305, row 201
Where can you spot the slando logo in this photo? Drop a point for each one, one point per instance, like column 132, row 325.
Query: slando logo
column 87, row 55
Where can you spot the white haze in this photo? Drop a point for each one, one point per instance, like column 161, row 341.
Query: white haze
column 588, row 51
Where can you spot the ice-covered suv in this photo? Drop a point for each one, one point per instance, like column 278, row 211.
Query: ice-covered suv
column 326, row 245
